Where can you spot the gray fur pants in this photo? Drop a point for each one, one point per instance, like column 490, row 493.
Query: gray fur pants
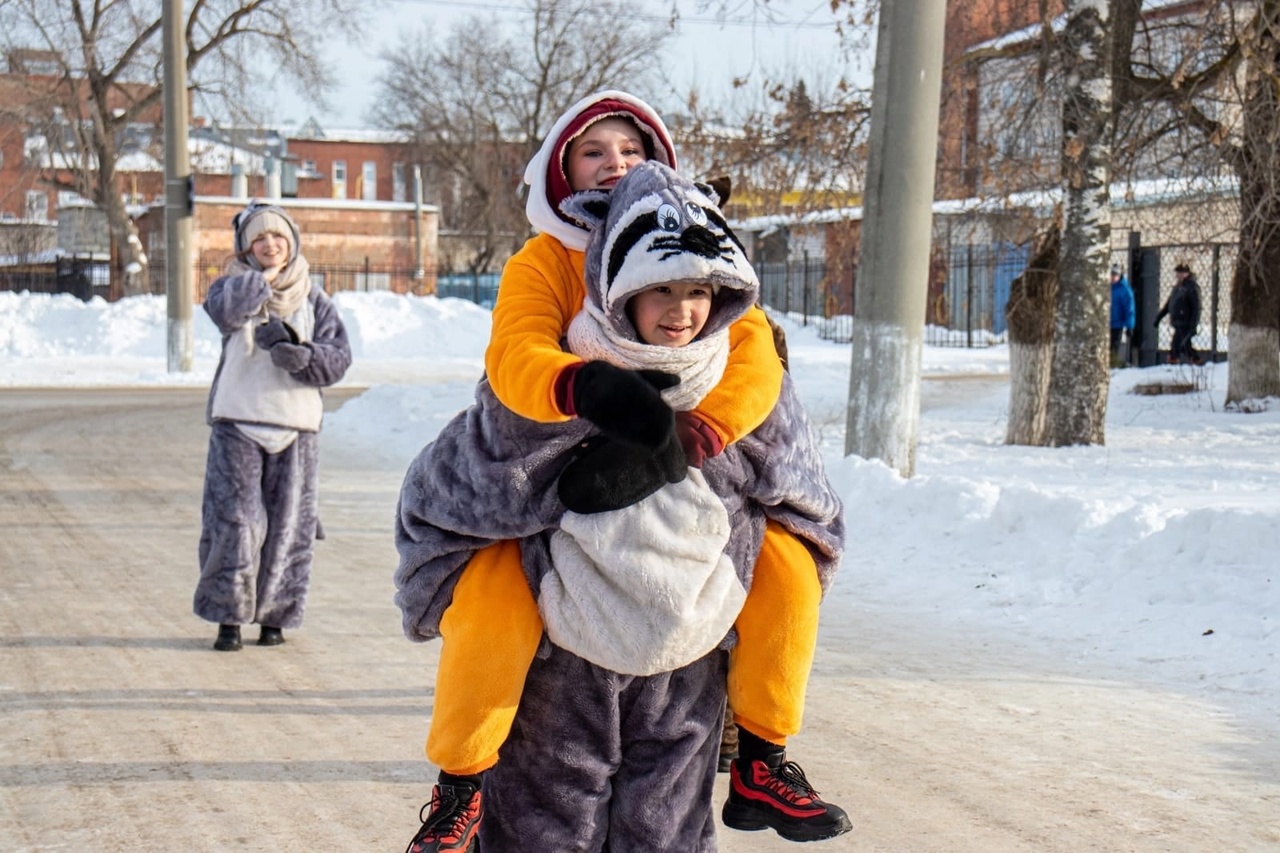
column 260, row 520
column 599, row 762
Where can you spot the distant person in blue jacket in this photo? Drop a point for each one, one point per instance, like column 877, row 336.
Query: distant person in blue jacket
column 1122, row 315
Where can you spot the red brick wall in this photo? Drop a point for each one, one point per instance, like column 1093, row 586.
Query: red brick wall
column 344, row 236
column 969, row 23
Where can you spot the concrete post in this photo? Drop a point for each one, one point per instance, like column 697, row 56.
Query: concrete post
column 178, row 192
column 892, row 284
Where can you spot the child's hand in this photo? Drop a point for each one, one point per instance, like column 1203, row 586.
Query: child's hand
column 291, row 357
column 625, row 404
column 245, row 295
column 272, row 332
column 699, row 441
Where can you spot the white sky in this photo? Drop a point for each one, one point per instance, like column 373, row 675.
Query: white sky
column 1150, row 561
column 704, row 52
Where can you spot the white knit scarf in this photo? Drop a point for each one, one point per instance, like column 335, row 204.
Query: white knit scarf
column 700, row 364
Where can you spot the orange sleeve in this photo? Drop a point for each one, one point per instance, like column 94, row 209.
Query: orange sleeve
column 541, row 290
column 751, row 384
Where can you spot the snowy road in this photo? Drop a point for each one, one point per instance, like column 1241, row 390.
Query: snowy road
column 123, row 731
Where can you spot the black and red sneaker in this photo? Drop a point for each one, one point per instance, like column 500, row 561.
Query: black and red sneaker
column 774, row 794
column 453, row 822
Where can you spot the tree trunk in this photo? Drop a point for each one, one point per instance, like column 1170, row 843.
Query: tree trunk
column 1253, row 373
column 1080, row 377
column 1032, row 298
column 1029, row 371
column 130, row 268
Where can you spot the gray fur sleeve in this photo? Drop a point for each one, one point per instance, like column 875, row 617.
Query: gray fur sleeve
column 489, row 475
column 790, row 482
column 233, row 299
column 330, row 349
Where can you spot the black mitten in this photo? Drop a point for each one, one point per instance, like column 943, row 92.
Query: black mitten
column 274, row 331
column 291, row 357
column 625, row 404
column 607, row 474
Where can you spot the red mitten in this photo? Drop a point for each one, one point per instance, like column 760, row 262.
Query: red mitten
column 699, row 441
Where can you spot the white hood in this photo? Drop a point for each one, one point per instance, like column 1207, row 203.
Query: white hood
column 541, row 215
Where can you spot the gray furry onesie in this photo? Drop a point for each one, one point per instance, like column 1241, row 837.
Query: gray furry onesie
column 614, row 745
column 260, row 510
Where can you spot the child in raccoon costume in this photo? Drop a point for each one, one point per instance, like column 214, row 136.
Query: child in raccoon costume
column 282, row 341
column 489, row 475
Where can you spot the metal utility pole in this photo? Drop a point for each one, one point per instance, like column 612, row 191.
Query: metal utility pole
column 888, row 322
column 178, row 196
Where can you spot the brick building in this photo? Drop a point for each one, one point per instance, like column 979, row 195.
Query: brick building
column 970, row 23
column 350, row 245
column 37, row 107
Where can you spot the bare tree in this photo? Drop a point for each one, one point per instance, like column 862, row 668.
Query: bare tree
column 792, row 148
column 478, row 104
column 1079, row 376
column 106, row 89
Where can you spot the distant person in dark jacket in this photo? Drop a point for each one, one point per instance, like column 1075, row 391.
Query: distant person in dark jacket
column 1122, row 314
column 1183, row 310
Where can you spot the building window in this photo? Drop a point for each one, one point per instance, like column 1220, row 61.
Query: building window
column 369, row 179
column 339, row 178
column 308, row 169
column 37, row 209
column 398, row 186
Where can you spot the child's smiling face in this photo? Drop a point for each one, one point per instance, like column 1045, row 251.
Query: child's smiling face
column 271, row 250
column 602, row 154
column 671, row 315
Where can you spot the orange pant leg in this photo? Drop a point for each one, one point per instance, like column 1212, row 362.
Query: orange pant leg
column 490, row 633
column 777, row 635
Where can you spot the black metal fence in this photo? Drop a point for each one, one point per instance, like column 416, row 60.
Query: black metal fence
column 82, row 277
column 802, row 290
column 334, row 278
column 969, row 289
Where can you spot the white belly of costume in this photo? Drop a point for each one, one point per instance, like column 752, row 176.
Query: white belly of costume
column 645, row 589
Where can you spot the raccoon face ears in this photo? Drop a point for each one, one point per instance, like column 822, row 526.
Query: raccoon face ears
column 717, row 188
column 587, row 208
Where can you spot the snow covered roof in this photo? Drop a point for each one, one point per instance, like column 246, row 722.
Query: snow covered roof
column 208, row 156
column 380, row 137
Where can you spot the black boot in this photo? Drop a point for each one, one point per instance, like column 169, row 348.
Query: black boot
column 768, row 792
column 269, row 636
column 228, row 638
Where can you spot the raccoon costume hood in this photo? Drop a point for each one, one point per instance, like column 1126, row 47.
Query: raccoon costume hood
column 492, row 475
